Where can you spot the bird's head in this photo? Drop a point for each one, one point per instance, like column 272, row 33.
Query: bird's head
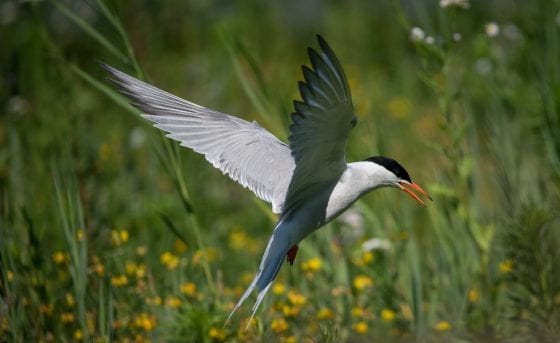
column 394, row 175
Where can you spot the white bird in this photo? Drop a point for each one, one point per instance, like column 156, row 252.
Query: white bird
column 307, row 181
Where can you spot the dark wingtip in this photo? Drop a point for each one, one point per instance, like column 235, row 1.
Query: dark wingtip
column 322, row 41
column 311, row 51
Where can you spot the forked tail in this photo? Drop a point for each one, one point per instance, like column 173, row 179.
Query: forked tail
column 273, row 257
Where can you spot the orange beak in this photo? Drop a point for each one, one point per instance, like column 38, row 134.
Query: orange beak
column 409, row 188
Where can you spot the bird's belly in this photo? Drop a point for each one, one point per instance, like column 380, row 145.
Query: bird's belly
column 304, row 222
column 315, row 215
column 342, row 197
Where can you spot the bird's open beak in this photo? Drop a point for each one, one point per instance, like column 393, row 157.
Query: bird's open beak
column 409, row 188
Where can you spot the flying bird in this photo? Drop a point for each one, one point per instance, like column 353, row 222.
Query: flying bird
column 307, row 181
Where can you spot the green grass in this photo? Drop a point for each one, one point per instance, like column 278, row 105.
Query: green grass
column 111, row 232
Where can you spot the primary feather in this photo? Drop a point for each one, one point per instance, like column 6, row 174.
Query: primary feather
column 243, row 150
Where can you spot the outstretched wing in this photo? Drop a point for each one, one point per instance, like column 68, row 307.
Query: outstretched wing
column 320, row 125
column 318, row 135
column 244, row 151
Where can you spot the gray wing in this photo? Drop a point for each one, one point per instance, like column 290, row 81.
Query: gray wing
column 244, row 151
column 320, row 125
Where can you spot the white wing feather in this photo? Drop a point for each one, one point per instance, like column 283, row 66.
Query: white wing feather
column 244, row 151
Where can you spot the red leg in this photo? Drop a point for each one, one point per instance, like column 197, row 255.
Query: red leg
column 291, row 256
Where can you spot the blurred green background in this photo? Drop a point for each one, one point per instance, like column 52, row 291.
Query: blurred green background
column 110, row 232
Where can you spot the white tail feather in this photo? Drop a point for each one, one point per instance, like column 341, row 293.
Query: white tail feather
column 272, row 260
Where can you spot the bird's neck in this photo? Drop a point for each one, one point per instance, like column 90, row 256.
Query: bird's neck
column 366, row 176
column 358, row 179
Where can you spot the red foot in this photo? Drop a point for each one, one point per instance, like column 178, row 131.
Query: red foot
column 291, row 256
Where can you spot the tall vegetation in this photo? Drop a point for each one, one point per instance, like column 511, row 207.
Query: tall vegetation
column 109, row 231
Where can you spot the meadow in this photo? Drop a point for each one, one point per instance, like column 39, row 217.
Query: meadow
column 111, row 232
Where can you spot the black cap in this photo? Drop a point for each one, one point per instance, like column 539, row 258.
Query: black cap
column 392, row 166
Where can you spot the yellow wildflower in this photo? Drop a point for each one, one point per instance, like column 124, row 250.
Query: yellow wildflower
column 473, row 295
column 443, row 326
column 99, row 268
column 80, row 235
column 173, row 302
column 278, row 288
column 361, row 327
column 69, row 299
column 238, row 240
column 296, row 298
column 130, row 267
column 169, row 260
column 217, row 334
column 60, row 257
column 279, row 325
column 123, row 234
column 145, row 321
column 367, row 257
column 78, row 335
column 506, row 266
column 141, row 250
column 67, row 317
column 290, row 339
column 140, row 270
column 311, row 265
column 324, row 313
column 290, row 311
column 357, row 312
column 119, row 237
column 119, row 280
column 46, row 309
column 361, row 282
column 388, row 315
column 189, row 289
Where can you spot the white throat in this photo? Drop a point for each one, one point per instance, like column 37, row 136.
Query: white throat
column 358, row 179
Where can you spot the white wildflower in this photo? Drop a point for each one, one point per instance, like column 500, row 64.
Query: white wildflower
column 459, row 3
column 376, row 244
column 492, row 29
column 457, row 37
column 430, row 40
column 417, row 34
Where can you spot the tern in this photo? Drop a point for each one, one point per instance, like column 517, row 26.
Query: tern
column 307, row 181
